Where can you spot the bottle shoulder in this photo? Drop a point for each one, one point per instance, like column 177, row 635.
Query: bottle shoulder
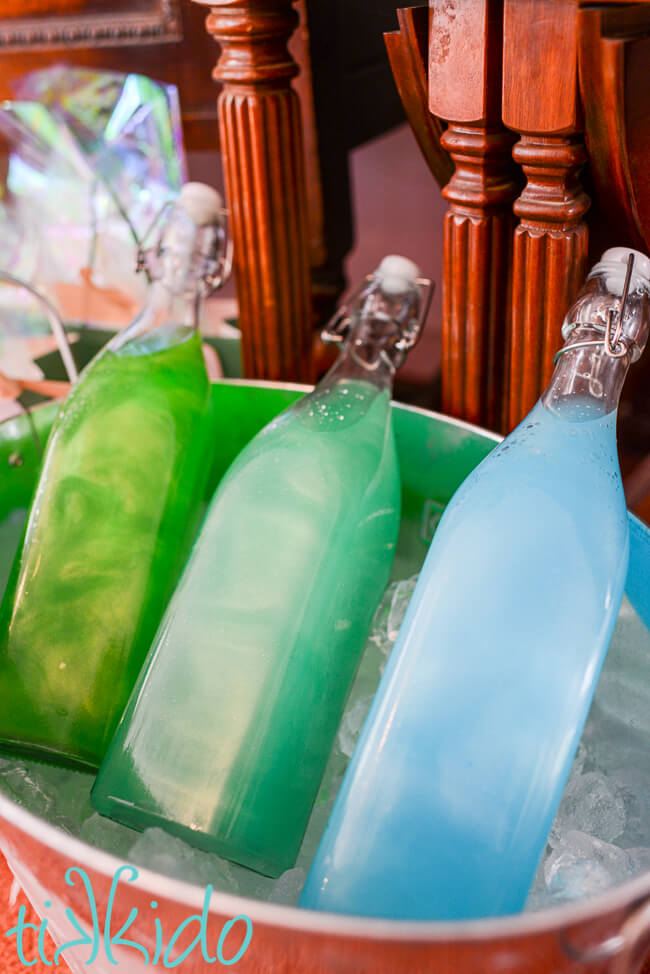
column 550, row 449
column 547, row 480
column 349, row 467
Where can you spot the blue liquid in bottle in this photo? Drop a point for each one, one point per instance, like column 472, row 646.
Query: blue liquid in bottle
column 451, row 792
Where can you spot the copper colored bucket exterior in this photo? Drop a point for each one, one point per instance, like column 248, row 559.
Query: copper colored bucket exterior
column 609, row 933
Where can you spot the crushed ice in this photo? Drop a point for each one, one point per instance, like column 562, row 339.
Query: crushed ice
column 600, row 837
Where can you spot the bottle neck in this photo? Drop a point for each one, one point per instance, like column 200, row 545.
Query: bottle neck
column 364, row 355
column 384, row 324
column 169, row 317
column 187, row 262
column 605, row 330
column 176, row 306
column 586, row 376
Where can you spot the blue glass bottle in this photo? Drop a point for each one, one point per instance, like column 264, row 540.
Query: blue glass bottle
column 447, row 803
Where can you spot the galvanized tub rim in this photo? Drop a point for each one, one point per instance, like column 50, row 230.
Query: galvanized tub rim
column 622, row 897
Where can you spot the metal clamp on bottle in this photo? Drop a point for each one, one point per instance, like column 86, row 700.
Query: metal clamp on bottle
column 395, row 275
column 202, row 205
column 616, row 344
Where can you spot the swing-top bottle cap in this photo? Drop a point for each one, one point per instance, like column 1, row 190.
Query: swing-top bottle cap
column 397, row 297
column 617, row 305
column 397, row 274
column 202, row 203
column 194, row 231
column 614, row 264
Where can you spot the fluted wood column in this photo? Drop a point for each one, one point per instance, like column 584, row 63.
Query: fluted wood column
column 551, row 240
column 477, row 248
column 464, row 90
column 262, row 145
column 549, row 262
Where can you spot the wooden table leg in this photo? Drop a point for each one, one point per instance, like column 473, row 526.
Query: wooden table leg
column 262, row 144
column 550, row 243
column 464, row 89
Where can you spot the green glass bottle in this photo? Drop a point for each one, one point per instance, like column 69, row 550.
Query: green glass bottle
column 115, row 509
column 228, row 730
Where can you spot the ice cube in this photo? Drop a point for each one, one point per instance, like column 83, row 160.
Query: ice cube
column 288, row 887
column 639, row 859
column 351, row 725
column 582, row 865
column 579, row 761
column 165, row 853
column 23, row 786
column 107, row 835
column 634, row 786
column 624, row 686
column 320, row 814
column 538, row 896
column 389, row 615
column 612, row 745
column 401, row 596
column 593, row 804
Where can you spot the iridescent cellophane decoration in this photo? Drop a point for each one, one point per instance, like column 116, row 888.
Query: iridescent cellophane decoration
column 94, row 157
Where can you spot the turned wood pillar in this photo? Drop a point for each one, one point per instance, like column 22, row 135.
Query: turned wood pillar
column 551, row 240
column 262, row 145
column 464, row 90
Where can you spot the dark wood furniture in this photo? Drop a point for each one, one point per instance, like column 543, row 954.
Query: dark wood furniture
column 551, row 239
column 478, row 224
column 165, row 39
column 536, row 185
column 287, row 182
column 569, row 80
column 261, row 134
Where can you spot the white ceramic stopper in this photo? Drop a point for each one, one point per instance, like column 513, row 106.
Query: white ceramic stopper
column 614, row 264
column 397, row 274
column 202, row 203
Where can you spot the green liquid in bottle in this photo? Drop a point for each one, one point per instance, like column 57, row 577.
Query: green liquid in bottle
column 228, row 731
column 106, row 538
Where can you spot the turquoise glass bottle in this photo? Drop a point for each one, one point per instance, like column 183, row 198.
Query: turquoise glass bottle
column 114, row 512
column 447, row 802
column 228, row 730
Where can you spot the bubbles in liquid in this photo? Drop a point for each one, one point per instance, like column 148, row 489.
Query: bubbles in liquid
column 347, row 402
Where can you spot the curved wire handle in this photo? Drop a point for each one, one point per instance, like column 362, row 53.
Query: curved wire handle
column 224, row 269
column 212, row 281
column 621, row 946
column 616, row 344
column 337, row 328
column 58, row 331
column 53, row 318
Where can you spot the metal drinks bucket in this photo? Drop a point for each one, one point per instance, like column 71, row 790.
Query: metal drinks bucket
column 608, row 933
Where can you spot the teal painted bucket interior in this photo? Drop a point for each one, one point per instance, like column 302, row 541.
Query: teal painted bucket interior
column 436, row 454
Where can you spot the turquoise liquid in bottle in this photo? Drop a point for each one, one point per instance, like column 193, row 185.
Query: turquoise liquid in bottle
column 447, row 803
column 227, row 733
